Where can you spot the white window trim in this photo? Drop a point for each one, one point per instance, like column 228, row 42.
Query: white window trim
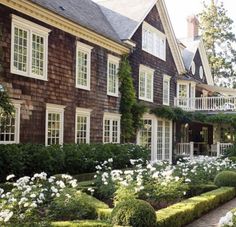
column 111, row 116
column 166, row 78
column 17, row 106
column 148, row 70
column 85, row 113
column 158, row 33
column 86, row 49
column 59, row 109
column 115, row 60
column 31, row 28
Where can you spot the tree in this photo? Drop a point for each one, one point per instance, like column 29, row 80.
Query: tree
column 219, row 41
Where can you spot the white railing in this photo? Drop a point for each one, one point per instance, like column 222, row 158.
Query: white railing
column 207, row 103
column 185, row 149
column 219, row 148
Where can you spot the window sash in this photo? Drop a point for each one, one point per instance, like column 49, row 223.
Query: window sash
column 146, row 86
column 166, row 91
column 82, row 128
column 111, row 130
column 112, row 77
column 145, row 134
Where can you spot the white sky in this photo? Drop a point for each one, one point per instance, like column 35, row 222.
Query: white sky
column 179, row 10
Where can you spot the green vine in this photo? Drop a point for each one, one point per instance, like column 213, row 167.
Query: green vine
column 5, row 103
column 129, row 108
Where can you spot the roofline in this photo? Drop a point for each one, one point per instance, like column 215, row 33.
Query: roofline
column 55, row 20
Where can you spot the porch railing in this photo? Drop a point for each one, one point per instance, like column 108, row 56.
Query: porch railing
column 207, row 103
column 218, row 149
column 185, row 149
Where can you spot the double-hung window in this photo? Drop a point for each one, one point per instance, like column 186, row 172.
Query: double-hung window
column 153, row 41
column 54, row 124
column 83, row 66
column 29, row 49
column 10, row 126
column 146, row 83
column 183, row 94
column 82, row 127
column 111, row 128
column 166, row 90
column 112, row 76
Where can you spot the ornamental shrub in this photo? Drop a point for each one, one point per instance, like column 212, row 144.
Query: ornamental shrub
column 225, row 179
column 135, row 213
column 71, row 205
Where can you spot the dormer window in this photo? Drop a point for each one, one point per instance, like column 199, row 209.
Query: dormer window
column 193, row 68
column 201, row 73
column 153, row 41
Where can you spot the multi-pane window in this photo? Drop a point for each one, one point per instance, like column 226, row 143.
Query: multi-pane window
column 112, row 75
column 166, row 90
column 54, row 124
column 154, row 41
column 82, row 125
column 183, row 94
column 145, row 134
column 29, row 48
column 9, row 126
column 146, row 83
column 111, row 128
column 83, row 66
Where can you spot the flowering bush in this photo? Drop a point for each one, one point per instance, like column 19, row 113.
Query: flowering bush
column 228, row 220
column 30, row 197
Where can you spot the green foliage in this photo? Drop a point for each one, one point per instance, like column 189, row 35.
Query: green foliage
column 197, row 189
column 6, row 106
column 72, row 205
column 86, row 223
column 225, row 179
column 219, row 40
column 138, row 110
column 136, row 213
column 186, row 211
column 231, row 152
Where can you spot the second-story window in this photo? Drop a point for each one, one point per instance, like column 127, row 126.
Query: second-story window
column 83, row 66
column 29, row 49
column 146, row 83
column 153, row 41
column 166, row 90
column 112, row 76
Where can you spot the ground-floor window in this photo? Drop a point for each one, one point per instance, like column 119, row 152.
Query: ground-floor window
column 111, row 128
column 54, row 124
column 82, row 127
column 156, row 134
column 10, row 126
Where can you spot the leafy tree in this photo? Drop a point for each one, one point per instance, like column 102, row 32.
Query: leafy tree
column 219, row 41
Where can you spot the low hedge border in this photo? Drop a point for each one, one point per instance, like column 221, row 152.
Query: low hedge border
column 186, row 211
column 86, row 223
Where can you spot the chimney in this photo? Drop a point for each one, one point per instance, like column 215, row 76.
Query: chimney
column 193, row 27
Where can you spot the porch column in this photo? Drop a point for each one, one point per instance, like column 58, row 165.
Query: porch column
column 191, row 150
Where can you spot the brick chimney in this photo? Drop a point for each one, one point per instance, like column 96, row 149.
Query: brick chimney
column 193, row 27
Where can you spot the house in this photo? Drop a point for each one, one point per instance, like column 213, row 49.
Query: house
column 60, row 61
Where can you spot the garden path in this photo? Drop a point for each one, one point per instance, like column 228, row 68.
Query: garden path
column 212, row 218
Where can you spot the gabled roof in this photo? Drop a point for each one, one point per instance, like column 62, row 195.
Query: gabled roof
column 84, row 12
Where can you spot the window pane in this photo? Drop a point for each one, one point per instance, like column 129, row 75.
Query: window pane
column 166, row 92
column 146, row 134
column 54, row 128
column 20, row 49
column 159, row 139
column 82, row 128
column 82, row 67
column 7, row 128
column 149, row 86
column 107, row 131
column 112, row 78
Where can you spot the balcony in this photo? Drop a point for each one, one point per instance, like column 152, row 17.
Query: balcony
column 214, row 104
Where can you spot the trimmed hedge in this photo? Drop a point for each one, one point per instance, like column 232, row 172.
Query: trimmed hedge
column 186, row 211
column 81, row 224
column 225, row 179
column 27, row 159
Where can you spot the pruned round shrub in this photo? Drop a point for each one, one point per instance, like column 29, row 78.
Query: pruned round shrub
column 72, row 205
column 135, row 213
column 225, row 178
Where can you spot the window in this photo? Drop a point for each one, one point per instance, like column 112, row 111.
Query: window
column 166, row 90
column 201, row 73
column 146, row 83
column 154, row 41
column 54, row 124
column 83, row 66
column 193, row 68
column 29, row 49
column 145, row 134
column 112, row 75
column 10, row 126
column 183, row 94
column 82, row 128
column 111, row 128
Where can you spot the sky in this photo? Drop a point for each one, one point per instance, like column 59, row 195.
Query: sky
column 179, row 10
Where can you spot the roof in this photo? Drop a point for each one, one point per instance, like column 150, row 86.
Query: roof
column 222, row 90
column 126, row 16
column 84, row 12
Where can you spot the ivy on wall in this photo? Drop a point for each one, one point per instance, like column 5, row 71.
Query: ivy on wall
column 131, row 111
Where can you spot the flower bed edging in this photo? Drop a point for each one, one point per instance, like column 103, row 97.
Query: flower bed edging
column 186, row 211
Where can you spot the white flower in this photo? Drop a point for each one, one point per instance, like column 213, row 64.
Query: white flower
column 10, row 177
column 110, row 160
column 5, row 215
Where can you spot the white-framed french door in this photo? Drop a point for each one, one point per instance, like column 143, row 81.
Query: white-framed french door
column 156, row 134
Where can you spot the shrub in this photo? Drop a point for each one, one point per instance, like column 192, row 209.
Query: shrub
column 198, row 189
column 72, row 205
column 225, row 178
column 136, row 213
column 231, row 151
column 86, row 223
column 186, row 211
